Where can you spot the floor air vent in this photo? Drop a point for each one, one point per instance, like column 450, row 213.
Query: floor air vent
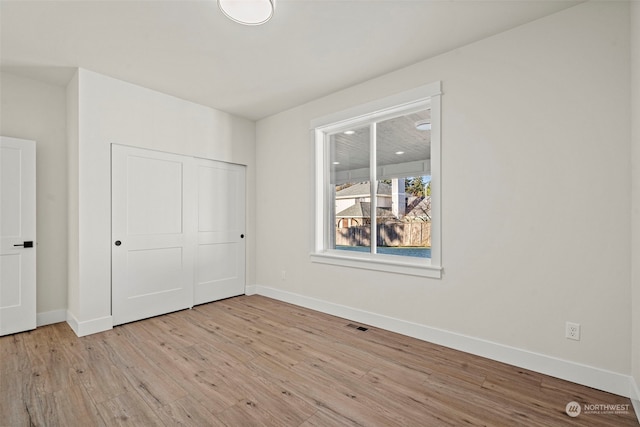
column 360, row 328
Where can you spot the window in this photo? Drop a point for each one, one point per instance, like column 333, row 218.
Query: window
column 378, row 185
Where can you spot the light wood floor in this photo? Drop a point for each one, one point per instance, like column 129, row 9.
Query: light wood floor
column 252, row 361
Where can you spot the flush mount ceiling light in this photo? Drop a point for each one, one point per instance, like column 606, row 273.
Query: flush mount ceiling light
column 423, row 125
column 248, row 12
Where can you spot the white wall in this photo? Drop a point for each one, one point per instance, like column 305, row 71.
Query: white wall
column 535, row 184
column 34, row 110
column 635, row 215
column 112, row 111
column 73, row 269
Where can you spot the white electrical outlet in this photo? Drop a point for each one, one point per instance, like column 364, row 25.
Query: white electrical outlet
column 572, row 331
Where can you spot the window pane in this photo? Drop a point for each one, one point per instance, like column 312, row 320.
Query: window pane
column 350, row 157
column 403, row 152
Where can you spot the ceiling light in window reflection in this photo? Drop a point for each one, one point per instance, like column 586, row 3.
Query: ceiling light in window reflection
column 399, row 152
column 349, row 132
column 423, row 125
column 336, row 163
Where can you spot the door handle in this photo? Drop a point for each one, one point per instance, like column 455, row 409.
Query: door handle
column 26, row 244
column 118, row 243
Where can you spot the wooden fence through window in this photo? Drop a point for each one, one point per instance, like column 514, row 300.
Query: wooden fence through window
column 392, row 234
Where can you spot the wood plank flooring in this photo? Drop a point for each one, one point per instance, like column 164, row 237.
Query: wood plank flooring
column 253, row 361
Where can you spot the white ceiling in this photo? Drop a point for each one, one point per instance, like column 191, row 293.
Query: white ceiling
column 188, row 49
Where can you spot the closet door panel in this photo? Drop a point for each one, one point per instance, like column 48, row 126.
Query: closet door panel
column 220, row 267
column 152, row 247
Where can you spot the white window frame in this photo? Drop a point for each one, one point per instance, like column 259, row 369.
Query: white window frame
column 427, row 96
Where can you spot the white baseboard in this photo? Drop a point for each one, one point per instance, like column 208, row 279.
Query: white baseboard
column 590, row 376
column 50, row 317
column 89, row 327
column 635, row 396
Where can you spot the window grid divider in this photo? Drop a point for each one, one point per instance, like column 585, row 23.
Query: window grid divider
column 373, row 206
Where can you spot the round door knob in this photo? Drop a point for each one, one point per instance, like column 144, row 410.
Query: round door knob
column 118, row 242
column 242, row 236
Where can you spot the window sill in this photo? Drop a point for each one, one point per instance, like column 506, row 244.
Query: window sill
column 379, row 263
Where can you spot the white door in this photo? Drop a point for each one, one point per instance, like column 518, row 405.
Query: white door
column 17, row 235
column 152, row 233
column 220, row 260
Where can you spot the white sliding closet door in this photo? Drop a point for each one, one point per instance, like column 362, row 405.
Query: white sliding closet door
column 153, row 224
column 220, row 260
column 177, row 230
